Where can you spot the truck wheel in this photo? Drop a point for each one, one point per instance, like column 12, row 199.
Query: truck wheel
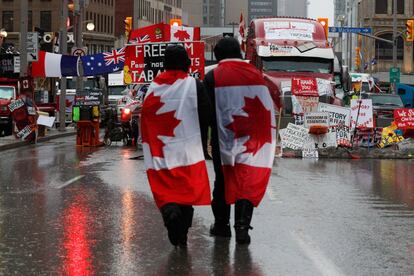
column 8, row 130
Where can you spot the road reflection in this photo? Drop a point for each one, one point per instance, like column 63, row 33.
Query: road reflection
column 391, row 180
column 76, row 244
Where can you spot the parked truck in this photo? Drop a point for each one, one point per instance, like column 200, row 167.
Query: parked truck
column 284, row 48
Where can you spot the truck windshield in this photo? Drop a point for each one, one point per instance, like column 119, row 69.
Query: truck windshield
column 297, row 64
column 6, row 92
column 87, row 84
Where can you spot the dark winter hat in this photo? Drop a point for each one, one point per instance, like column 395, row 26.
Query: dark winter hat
column 227, row 47
column 176, row 58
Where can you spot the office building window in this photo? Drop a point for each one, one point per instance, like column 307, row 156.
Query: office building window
column 400, row 6
column 381, row 6
column 29, row 21
column 46, row 21
column 7, row 22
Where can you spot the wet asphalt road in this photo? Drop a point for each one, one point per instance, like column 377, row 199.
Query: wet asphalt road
column 64, row 211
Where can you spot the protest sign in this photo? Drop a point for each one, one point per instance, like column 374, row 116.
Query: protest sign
column 305, row 87
column 361, row 110
column 143, row 62
column 293, row 136
column 310, row 153
column 316, row 118
column 324, row 87
column 343, row 135
column 404, row 117
column 338, row 115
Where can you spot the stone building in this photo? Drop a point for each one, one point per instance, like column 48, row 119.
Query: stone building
column 378, row 14
column 44, row 15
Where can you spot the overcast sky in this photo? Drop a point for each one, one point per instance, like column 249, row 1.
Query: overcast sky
column 321, row 8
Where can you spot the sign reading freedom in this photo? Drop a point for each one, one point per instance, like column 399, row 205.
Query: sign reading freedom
column 145, row 61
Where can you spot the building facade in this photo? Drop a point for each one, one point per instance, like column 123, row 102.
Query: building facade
column 297, row 8
column 193, row 12
column 376, row 55
column 262, row 8
column 339, row 11
column 44, row 17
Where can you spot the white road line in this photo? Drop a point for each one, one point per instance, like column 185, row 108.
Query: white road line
column 314, row 253
column 70, row 182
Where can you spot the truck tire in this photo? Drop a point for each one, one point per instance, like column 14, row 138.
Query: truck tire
column 8, row 129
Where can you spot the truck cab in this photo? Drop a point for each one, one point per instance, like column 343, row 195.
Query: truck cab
column 286, row 47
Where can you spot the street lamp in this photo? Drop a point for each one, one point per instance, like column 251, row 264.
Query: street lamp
column 90, row 26
column 3, row 32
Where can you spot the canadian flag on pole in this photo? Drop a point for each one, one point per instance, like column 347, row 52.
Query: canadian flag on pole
column 246, row 123
column 171, row 139
column 182, row 33
column 241, row 36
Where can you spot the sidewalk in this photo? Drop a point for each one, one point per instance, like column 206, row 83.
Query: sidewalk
column 10, row 142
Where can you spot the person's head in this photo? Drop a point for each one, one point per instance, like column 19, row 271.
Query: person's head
column 176, row 58
column 227, row 47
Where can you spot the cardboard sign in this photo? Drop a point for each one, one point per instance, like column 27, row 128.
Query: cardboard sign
column 320, row 141
column 305, row 87
column 361, row 110
column 293, row 136
column 404, row 117
column 338, row 115
column 25, row 132
column 316, row 118
column 16, row 105
column 307, row 104
column 143, row 62
column 324, row 87
column 343, row 135
column 310, row 154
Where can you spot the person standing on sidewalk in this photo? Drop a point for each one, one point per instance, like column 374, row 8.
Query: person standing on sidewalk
column 174, row 118
column 243, row 139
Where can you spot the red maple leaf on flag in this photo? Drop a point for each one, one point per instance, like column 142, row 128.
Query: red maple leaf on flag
column 155, row 125
column 257, row 125
column 182, row 35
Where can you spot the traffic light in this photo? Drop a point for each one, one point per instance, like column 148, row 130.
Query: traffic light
column 409, row 36
column 357, row 57
column 176, row 22
column 324, row 22
column 128, row 25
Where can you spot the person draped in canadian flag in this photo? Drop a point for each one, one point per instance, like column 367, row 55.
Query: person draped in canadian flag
column 175, row 117
column 243, row 139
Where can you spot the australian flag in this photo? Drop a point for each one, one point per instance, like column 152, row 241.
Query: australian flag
column 103, row 63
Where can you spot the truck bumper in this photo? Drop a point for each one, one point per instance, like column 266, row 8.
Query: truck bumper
column 4, row 120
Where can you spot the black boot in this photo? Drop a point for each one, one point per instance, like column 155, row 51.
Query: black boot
column 173, row 220
column 187, row 212
column 221, row 226
column 243, row 212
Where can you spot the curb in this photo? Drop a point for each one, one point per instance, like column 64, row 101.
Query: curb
column 18, row 144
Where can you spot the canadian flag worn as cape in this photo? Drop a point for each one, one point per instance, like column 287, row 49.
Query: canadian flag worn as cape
column 246, row 126
column 171, row 139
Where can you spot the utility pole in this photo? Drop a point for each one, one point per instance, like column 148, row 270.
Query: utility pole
column 78, row 23
column 63, row 50
column 394, row 40
column 23, row 38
